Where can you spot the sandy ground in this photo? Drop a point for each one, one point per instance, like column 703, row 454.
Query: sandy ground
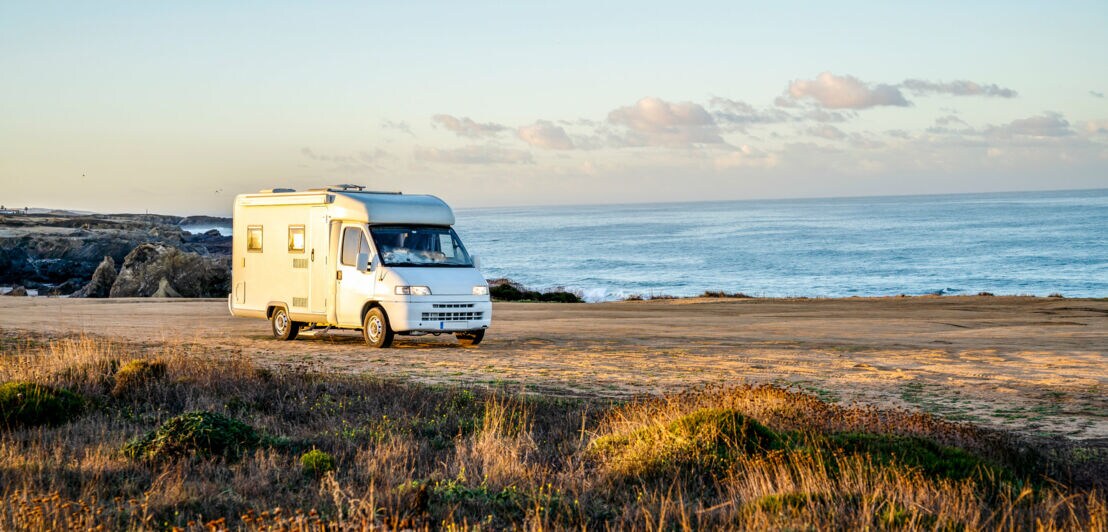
column 1030, row 364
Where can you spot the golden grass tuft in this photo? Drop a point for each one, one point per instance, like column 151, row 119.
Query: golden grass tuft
column 136, row 376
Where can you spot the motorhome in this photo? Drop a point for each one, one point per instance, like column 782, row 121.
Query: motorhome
column 342, row 257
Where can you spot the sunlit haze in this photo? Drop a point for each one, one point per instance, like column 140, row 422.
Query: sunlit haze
column 175, row 107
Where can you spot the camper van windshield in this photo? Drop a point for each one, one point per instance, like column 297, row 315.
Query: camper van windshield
column 419, row 246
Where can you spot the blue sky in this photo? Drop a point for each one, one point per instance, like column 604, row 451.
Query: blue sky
column 177, row 106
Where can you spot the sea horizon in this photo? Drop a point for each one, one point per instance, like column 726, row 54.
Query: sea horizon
column 947, row 244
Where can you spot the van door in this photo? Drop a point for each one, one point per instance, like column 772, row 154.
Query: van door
column 319, row 264
column 352, row 287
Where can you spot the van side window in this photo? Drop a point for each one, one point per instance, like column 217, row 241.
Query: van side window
column 254, row 238
column 446, row 246
column 296, row 239
column 350, row 245
column 354, row 242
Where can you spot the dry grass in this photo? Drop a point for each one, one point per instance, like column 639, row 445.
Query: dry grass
column 414, row 456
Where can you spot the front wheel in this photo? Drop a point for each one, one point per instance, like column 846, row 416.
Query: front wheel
column 471, row 338
column 283, row 326
column 375, row 328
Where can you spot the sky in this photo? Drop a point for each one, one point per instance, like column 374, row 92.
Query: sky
column 175, row 107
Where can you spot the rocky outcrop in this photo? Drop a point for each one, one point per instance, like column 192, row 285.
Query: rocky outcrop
column 17, row 291
column 210, row 242
column 59, row 253
column 156, row 270
column 65, row 288
column 102, row 280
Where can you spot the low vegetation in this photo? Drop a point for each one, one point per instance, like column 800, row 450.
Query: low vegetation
column 200, row 434
column 222, row 443
column 25, row 404
column 724, row 294
column 507, row 290
column 137, row 376
column 316, row 462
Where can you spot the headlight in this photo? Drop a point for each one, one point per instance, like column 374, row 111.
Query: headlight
column 413, row 291
column 481, row 290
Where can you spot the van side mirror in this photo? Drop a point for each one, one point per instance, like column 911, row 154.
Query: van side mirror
column 476, row 261
column 363, row 262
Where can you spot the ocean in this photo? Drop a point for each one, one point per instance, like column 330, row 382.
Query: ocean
column 1037, row 243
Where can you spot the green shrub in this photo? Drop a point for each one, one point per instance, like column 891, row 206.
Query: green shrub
column 724, row 294
column 136, row 376
column 29, row 404
column 784, row 502
column 316, row 462
column 703, row 441
column 929, row 457
column 559, row 296
column 508, row 292
column 195, row 434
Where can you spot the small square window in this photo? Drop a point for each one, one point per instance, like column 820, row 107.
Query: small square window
column 254, row 238
column 296, row 239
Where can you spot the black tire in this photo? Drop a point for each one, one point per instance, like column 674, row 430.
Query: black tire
column 471, row 338
column 283, row 326
column 376, row 329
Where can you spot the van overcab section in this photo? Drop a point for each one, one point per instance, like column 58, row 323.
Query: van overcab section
column 342, row 257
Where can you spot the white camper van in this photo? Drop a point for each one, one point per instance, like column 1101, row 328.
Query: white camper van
column 343, row 257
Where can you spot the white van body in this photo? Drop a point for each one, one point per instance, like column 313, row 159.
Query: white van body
column 340, row 257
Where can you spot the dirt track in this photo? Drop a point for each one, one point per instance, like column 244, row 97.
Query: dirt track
column 1032, row 364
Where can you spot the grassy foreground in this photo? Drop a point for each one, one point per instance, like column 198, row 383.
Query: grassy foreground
column 96, row 434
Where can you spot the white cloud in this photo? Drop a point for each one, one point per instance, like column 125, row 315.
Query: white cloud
column 656, row 122
column 821, row 115
column 1045, row 125
column 740, row 115
column 400, row 126
column 744, row 156
column 844, row 92
column 475, row 154
column 1096, row 127
column 544, row 134
column 1096, row 94
column 949, row 120
column 465, row 127
column 827, row 131
column 957, row 88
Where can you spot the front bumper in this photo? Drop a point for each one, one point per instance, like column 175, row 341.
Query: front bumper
column 446, row 315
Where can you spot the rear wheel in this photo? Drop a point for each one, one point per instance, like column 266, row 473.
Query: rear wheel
column 375, row 328
column 471, row 338
column 283, row 326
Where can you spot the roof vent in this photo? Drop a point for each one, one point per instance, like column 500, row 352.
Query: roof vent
column 352, row 188
column 276, row 190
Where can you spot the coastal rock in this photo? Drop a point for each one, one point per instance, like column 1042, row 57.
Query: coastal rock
column 164, row 290
column 156, row 270
column 102, row 280
column 59, row 253
column 505, row 282
column 209, row 242
column 18, row 291
column 64, row 289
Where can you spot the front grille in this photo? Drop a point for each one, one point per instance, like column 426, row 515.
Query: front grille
column 453, row 316
column 453, row 305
